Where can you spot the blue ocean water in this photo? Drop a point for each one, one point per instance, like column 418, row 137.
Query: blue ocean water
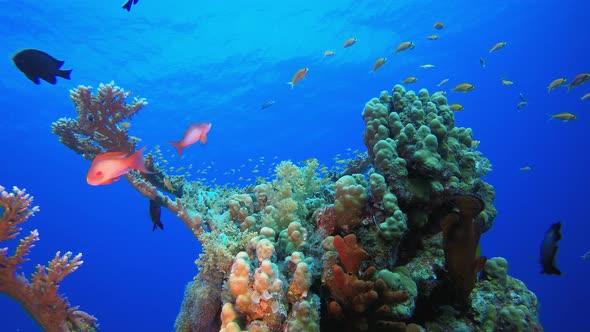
column 218, row 62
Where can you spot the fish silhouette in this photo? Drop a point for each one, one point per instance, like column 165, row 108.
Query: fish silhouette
column 128, row 4
column 37, row 64
column 549, row 249
column 155, row 212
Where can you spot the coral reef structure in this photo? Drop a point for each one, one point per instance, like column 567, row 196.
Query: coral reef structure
column 388, row 244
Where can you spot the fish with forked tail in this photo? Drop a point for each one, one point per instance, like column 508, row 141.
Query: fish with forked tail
column 128, row 4
column 155, row 212
column 549, row 250
column 37, row 64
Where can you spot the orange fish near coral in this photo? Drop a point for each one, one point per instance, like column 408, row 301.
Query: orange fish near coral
column 349, row 42
column 195, row 132
column 299, row 75
column 108, row 167
column 378, row 63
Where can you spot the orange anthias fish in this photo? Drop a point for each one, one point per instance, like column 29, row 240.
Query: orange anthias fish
column 378, row 63
column 349, row 42
column 299, row 75
column 108, row 167
column 195, row 132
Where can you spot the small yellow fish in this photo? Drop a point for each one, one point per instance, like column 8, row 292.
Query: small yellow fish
column 456, row 107
column 179, row 169
column 168, row 184
column 404, row 46
column 521, row 105
column 125, row 124
column 564, row 116
column 525, row 169
column 409, row 80
column 378, row 63
column 497, row 46
column 578, row 80
column 507, row 82
column 442, row 92
column 463, row 87
column 329, row 53
column 556, row 83
column 426, row 66
column 349, row 42
column 432, row 37
column 586, row 96
column 475, row 144
column 443, row 82
column 438, row 25
column 133, row 138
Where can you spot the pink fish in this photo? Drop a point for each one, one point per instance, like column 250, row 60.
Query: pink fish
column 108, row 167
column 194, row 133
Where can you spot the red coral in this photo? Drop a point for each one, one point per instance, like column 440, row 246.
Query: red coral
column 39, row 296
column 351, row 254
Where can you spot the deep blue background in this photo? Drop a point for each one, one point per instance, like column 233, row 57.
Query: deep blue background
column 220, row 62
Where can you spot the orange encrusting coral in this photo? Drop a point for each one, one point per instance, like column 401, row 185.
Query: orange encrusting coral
column 361, row 304
column 350, row 253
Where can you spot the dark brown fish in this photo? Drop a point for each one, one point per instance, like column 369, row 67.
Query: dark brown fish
column 155, row 212
column 549, row 249
column 128, row 4
column 36, row 64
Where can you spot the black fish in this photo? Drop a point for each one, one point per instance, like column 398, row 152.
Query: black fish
column 127, row 4
column 549, row 249
column 155, row 212
column 267, row 104
column 36, row 64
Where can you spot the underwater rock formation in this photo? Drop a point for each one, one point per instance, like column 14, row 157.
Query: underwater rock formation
column 355, row 251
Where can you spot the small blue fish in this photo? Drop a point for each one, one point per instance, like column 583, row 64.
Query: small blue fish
column 549, row 249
